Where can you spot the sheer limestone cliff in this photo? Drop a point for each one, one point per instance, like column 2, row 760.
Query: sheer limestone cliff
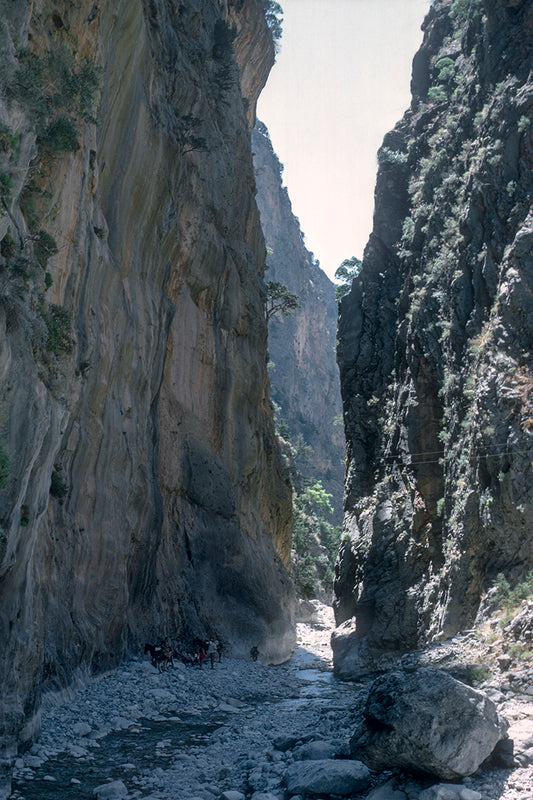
column 436, row 342
column 305, row 376
column 142, row 492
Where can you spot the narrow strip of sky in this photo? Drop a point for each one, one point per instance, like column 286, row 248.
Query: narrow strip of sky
column 340, row 82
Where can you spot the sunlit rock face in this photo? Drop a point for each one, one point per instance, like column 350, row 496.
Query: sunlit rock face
column 435, row 343
column 145, row 493
column 304, row 372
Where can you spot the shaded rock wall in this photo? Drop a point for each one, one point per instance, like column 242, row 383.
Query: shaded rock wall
column 305, row 377
column 145, row 493
column 435, row 345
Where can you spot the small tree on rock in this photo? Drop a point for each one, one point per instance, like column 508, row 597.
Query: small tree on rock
column 348, row 270
column 279, row 300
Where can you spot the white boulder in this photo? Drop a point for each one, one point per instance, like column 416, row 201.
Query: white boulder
column 342, row 777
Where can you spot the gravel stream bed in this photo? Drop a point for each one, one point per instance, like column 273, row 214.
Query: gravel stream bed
column 191, row 734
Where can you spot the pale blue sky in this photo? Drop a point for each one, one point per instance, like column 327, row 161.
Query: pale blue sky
column 340, row 82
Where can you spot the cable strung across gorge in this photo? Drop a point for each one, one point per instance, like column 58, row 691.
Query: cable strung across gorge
column 441, row 454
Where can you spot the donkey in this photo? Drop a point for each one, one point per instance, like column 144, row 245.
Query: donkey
column 160, row 656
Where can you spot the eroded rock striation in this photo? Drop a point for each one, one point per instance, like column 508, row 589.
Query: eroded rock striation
column 142, row 492
column 435, row 342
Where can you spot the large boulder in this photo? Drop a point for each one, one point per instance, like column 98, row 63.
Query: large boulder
column 429, row 722
column 449, row 791
column 115, row 790
column 315, row 751
column 308, row 611
column 346, row 644
column 327, row 777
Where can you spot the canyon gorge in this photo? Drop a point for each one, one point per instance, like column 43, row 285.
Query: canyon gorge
column 145, row 478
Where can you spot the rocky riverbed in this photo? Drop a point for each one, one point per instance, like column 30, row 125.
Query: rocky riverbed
column 242, row 729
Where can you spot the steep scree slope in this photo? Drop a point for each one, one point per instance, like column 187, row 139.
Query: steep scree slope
column 141, row 488
column 436, row 340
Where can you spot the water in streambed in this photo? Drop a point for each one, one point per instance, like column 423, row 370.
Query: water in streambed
column 189, row 733
column 124, row 755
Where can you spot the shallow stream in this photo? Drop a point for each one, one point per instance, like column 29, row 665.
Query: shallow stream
column 120, row 755
column 191, row 734
column 185, row 732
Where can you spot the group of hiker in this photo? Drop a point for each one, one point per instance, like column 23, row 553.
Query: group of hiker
column 209, row 649
column 165, row 653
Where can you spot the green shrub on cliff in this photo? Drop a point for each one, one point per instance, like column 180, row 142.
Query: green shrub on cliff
column 6, row 184
column 464, row 9
column 388, row 156
column 510, row 598
column 445, row 79
column 274, row 18
column 437, row 94
column 55, row 82
column 54, row 89
column 44, row 247
column 223, row 38
column 58, row 324
column 187, row 128
column 4, row 466
column 61, row 136
column 8, row 139
column 315, row 541
column 76, row 85
column 28, row 84
column 446, row 67
column 7, row 246
column 520, row 651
